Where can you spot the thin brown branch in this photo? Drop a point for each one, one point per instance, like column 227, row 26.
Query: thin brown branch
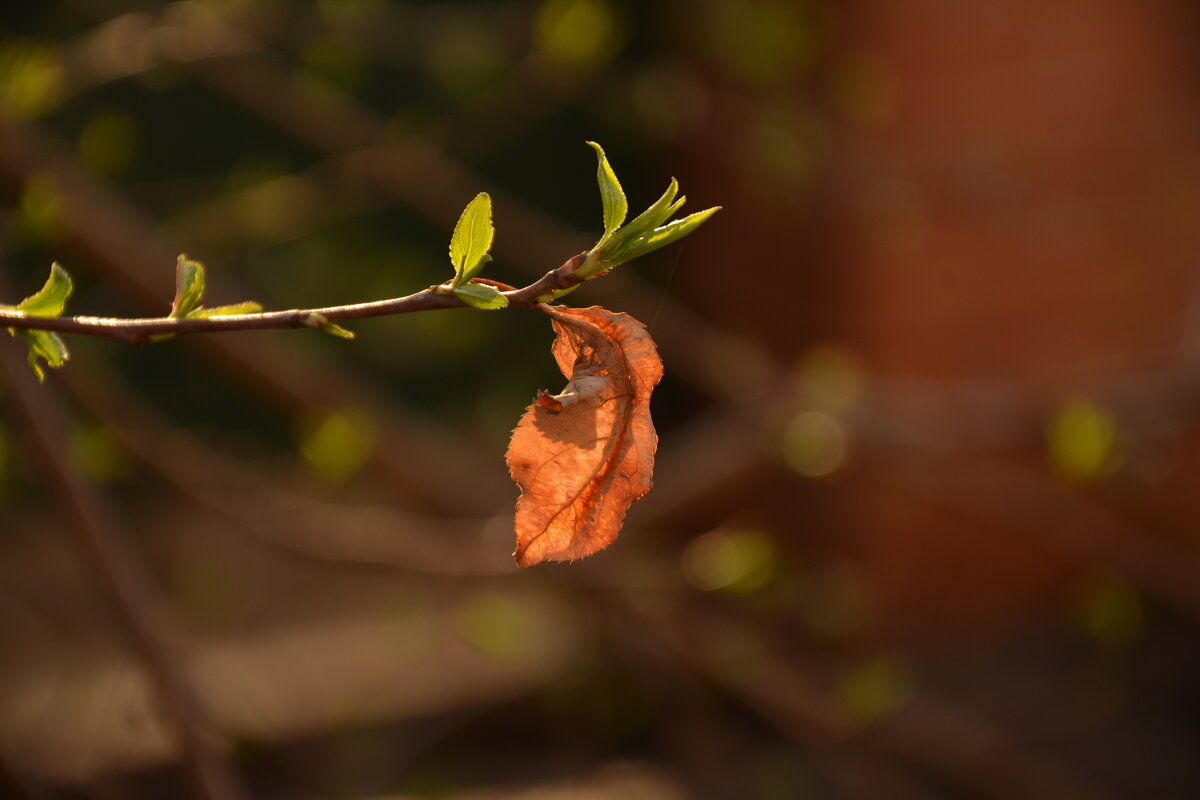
column 124, row 581
column 110, row 235
column 138, row 331
column 419, row 172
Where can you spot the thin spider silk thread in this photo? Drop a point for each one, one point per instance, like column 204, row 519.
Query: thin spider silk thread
column 662, row 298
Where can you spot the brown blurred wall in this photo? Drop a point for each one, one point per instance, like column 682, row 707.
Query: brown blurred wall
column 1009, row 203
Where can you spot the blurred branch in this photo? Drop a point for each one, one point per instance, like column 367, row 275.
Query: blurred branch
column 924, row 735
column 396, row 34
column 370, row 536
column 1029, row 501
column 124, row 581
column 139, row 331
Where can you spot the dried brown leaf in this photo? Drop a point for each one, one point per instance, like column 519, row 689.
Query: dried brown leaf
column 583, row 456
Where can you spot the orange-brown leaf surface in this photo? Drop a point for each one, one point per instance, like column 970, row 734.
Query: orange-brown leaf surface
column 584, row 456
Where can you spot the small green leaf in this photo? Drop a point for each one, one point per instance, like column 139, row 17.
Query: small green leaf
column 672, row 232
column 612, row 196
column 322, row 322
column 46, row 346
column 233, row 310
column 189, row 287
column 338, row 330
column 190, row 284
column 609, row 253
column 472, row 239
column 480, row 295
column 678, row 204
column 626, row 247
column 334, row 329
column 50, row 300
column 871, row 690
column 657, row 214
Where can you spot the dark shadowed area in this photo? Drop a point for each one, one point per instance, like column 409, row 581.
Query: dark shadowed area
column 926, row 514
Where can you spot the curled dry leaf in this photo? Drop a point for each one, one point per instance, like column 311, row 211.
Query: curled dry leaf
column 584, row 456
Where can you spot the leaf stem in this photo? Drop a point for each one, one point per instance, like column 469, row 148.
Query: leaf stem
column 138, row 331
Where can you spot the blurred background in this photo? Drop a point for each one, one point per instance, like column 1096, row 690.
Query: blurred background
column 926, row 521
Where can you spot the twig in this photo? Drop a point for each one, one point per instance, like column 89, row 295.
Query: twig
column 113, row 237
column 123, row 580
column 138, row 331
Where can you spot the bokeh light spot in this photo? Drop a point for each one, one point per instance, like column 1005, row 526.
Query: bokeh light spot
column 338, row 446
column 495, row 624
column 829, row 378
column 763, row 44
column 467, row 60
column 98, row 454
column 580, row 33
column 814, row 444
column 332, row 61
column 871, row 690
column 1081, row 440
column 1111, row 611
column 41, row 208
column 30, row 79
column 279, row 209
column 108, row 142
column 728, row 560
column 669, row 99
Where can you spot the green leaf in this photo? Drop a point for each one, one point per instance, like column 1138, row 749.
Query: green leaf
column 678, row 204
column 480, row 295
column 625, row 246
column 320, row 321
column 671, row 232
column 233, row 310
column 337, row 330
column 190, row 284
column 50, row 300
column 604, row 256
column 46, row 346
column 189, row 287
column 472, row 239
column 656, row 214
column 611, row 194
